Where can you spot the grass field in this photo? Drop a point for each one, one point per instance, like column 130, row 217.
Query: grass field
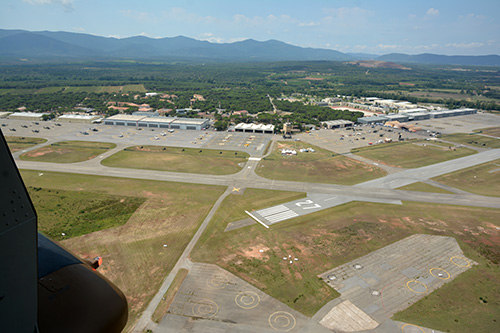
column 473, row 140
column 493, row 131
column 423, row 187
column 17, row 143
column 412, row 155
column 68, row 152
column 190, row 160
column 76, row 213
column 134, row 256
column 329, row 238
column 318, row 167
column 483, row 179
column 129, row 88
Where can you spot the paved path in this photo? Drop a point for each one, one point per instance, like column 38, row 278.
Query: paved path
column 183, row 262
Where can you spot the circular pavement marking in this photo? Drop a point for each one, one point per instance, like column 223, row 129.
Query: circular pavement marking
column 416, row 286
column 217, row 281
column 282, row 321
column 205, row 308
column 247, row 300
column 410, row 330
column 439, row 273
column 460, row 261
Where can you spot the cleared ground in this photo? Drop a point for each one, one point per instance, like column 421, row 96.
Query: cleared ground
column 68, row 152
column 329, row 238
column 474, row 140
column 190, row 160
column 423, row 187
column 483, row 179
column 493, row 131
column 134, row 254
column 321, row 166
column 412, row 154
column 17, row 143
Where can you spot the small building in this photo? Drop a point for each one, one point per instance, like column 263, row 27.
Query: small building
column 77, row 118
column 33, row 116
column 254, row 128
column 340, row 123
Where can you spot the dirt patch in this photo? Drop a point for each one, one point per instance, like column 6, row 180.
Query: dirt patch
column 257, row 252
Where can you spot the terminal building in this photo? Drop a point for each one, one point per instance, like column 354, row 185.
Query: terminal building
column 158, row 122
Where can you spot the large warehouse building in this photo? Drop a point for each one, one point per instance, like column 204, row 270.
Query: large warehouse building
column 77, row 118
column 158, row 122
column 27, row 116
column 416, row 114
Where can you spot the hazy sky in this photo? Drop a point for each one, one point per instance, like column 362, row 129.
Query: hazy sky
column 368, row 26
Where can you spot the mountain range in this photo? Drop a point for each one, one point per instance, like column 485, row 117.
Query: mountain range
column 67, row 46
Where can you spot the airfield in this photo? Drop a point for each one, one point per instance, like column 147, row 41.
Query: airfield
column 372, row 287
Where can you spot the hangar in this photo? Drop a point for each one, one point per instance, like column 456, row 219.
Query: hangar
column 158, row 122
column 254, row 128
column 340, row 123
column 77, row 118
column 27, row 116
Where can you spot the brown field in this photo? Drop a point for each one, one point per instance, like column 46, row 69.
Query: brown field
column 493, row 131
column 134, row 256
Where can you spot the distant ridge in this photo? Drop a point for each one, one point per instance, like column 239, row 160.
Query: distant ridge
column 429, row 58
column 48, row 45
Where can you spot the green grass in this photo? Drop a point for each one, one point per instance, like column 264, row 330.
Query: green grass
column 412, row 155
column 424, row 187
column 322, row 166
column 76, row 213
column 473, row 140
column 50, row 90
column 17, row 143
column 482, row 179
column 68, row 151
column 469, row 303
column 190, row 160
column 493, row 131
column 133, row 253
column 133, row 88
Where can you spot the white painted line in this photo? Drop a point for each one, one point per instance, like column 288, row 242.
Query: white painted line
column 256, row 219
column 282, row 216
column 272, row 210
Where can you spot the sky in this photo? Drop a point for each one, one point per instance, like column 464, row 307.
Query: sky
column 451, row 27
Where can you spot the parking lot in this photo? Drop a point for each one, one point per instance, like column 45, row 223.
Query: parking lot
column 253, row 144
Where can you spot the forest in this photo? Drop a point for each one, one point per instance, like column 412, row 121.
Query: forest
column 59, row 88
